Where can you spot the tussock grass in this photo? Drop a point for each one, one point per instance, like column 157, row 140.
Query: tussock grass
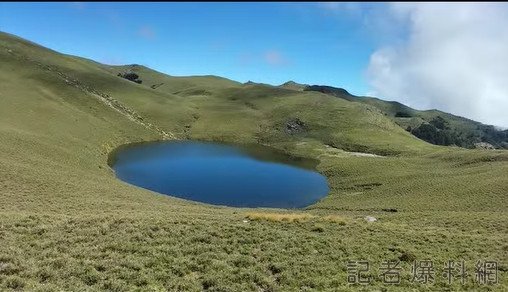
column 335, row 219
column 294, row 217
column 280, row 217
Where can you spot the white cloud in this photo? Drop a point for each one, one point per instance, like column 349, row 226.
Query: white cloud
column 147, row 32
column 275, row 58
column 453, row 58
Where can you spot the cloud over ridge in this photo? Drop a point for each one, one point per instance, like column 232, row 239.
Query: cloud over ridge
column 453, row 58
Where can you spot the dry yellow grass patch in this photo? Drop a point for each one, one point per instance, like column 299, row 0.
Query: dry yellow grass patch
column 294, row 217
column 280, row 217
column 335, row 219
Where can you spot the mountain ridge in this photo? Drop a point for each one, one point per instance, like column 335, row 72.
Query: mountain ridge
column 466, row 134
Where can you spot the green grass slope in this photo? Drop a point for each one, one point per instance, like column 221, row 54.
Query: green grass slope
column 433, row 126
column 67, row 224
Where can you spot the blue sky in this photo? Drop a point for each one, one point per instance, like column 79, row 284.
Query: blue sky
column 263, row 42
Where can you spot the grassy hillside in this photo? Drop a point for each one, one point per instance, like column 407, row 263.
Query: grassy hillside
column 433, row 126
column 67, row 224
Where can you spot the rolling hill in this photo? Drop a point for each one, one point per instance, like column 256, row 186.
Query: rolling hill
column 68, row 224
column 432, row 126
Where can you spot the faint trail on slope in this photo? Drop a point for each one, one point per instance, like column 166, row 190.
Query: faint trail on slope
column 111, row 102
column 105, row 98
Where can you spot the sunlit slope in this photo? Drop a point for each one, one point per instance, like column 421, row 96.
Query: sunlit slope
column 409, row 117
column 54, row 137
column 67, row 224
column 255, row 112
column 194, row 85
column 433, row 126
column 216, row 108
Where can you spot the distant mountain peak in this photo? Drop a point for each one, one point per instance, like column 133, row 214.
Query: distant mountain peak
column 293, row 85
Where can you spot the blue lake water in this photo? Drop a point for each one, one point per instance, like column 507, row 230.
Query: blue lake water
column 221, row 174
